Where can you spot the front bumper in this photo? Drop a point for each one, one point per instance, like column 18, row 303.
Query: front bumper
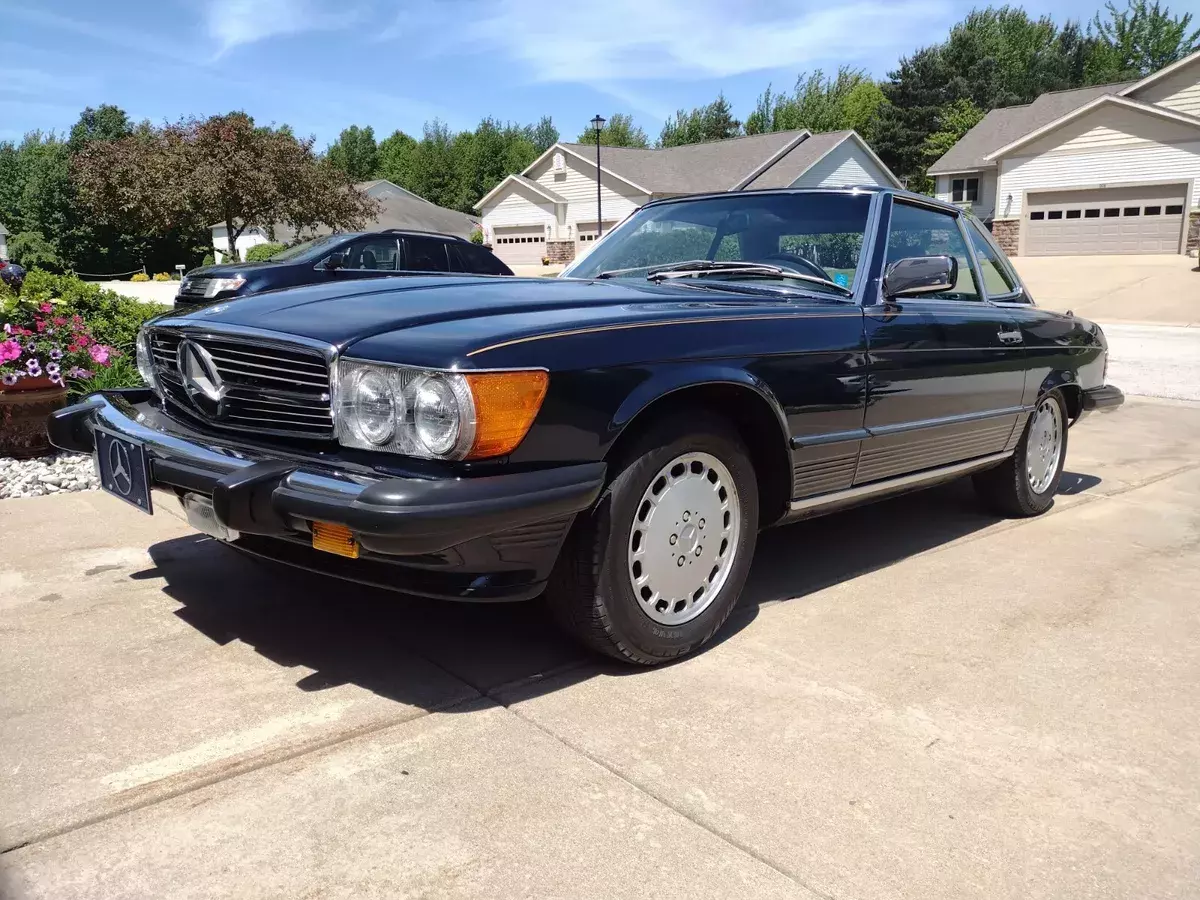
column 1102, row 399
column 481, row 538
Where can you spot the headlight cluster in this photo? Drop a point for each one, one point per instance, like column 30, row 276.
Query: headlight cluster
column 219, row 285
column 145, row 359
column 433, row 414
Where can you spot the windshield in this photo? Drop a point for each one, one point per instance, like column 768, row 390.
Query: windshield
column 301, row 249
column 819, row 235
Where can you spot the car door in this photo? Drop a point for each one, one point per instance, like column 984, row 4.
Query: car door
column 946, row 370
column 425, row 254
column 1052, row 348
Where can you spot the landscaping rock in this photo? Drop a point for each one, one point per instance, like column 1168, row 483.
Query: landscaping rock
column 56, row 474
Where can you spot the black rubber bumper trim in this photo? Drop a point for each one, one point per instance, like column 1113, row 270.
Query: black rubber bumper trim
column 1102, row 398
column 266, row 495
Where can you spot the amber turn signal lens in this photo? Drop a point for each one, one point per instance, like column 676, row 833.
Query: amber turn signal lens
column 506, row 404
column 336, row 539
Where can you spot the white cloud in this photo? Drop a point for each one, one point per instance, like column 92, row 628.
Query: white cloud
column 636, row 40
column 234, row 23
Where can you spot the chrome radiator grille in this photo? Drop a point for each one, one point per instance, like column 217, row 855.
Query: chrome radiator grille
column 263, row 387
column 194, row 287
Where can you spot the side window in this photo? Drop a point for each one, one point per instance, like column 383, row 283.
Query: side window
column 373, row 254
column 998, row 279
column 917, row 231
column 426, row 254
column 474, row 260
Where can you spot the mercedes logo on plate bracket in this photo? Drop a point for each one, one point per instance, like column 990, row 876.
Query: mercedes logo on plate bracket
column 118, row 468
column 201, row 379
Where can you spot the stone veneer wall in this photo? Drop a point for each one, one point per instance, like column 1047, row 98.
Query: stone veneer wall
column 560, row 251
column 1193, row 235
column 1005, row 232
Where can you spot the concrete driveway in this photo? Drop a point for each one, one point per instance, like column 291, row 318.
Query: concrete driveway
column 1162, row 290
column 914, row 700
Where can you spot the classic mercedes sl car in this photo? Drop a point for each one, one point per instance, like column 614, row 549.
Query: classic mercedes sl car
column 616, row 438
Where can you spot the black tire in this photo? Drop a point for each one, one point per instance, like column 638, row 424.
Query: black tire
column 1006, row 488
column 590, row 594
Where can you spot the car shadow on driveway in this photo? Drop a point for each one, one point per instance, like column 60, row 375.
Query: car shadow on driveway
column 347, row 633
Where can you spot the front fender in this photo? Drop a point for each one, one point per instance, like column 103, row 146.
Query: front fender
column 670, row 381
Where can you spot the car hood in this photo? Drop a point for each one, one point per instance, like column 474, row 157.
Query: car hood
column 341, row 314
column 229, row 270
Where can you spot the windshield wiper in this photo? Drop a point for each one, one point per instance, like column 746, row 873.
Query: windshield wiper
column 700, row 267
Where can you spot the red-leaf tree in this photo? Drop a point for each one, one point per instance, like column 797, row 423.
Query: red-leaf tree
column 222, row 169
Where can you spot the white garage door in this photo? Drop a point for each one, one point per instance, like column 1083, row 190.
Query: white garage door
column 520, row 245
column 1146, row 219
column 586, row 236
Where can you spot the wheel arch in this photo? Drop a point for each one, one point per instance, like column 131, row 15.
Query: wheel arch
column 737, row 396
column 1065, row 382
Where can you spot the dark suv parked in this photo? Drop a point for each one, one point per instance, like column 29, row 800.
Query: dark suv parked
column 340, row 257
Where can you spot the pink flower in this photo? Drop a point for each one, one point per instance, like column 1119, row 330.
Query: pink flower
column 9, row 350
column 46, row 308
column 99, row 354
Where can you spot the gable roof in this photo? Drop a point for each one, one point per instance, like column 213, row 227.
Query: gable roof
column 1106, row 99
column 529, row 183
column 806, row 155
column 1161, row 73
column 1001, row 127
column 692, row 168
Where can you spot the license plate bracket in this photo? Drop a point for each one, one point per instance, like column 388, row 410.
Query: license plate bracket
column 124, row 469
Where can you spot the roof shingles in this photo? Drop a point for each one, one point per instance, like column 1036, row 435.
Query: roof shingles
column 1003, row 126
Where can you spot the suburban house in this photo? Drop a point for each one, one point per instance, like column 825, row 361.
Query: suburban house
column 549, row 209
column 401, row 208
column 1107, row 169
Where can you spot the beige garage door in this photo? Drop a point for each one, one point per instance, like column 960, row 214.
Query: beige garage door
column 1146, row 219
column 520, row 246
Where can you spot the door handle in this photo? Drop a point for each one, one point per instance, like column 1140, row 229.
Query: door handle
column 1010, row 337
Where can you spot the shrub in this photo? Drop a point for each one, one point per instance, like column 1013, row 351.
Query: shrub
column 121, row 373
column 162, row 276
column 209, row 260
column 140, row 276
column 477, row 236
column 113, row 319
column 31, row 250
column 261, row 252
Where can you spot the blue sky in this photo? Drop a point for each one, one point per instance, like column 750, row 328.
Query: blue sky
column 320, row 65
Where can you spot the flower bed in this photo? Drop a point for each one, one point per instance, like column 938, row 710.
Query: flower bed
column 47, row 345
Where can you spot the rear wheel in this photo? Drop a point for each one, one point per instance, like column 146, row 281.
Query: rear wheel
column 656, row 567
column 1025, row 484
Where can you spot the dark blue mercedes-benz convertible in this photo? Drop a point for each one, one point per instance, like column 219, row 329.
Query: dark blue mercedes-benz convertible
column 616, row 438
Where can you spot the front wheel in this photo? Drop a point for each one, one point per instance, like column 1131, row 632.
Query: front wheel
column 656, row 567
column 1025, row 484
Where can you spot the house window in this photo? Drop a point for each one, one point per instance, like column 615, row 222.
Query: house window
column 1091, row 213
column 1037, row 216
column 964, row 190
column 1174, row 210
column 1111, row 211
column 1152, row 210
column 1056, row 214
column 1074, row 213
column 1133, row 210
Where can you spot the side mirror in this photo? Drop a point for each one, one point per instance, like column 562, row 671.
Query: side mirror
column 917, row 275
column 336, row 261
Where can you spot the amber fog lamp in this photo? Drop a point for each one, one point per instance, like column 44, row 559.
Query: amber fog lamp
column 506, row 404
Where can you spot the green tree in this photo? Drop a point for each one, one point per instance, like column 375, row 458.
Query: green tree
column 849, row 99
column 105, row 123
column 433, row 171
column 1145, row 37
column 543, row 135
column 31, row 250
column 396, row 159
column 618, row 131
column 713, row 122
column 355, row 153
column 953, row 121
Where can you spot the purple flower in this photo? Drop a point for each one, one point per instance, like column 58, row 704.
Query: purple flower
column 77, row 372
column 52, row 370
column 10, row 379
column 56, row 354
column 56, row 379
column 34, row 368
column 31, row 347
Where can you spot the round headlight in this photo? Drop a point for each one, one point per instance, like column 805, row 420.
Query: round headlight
column 145, row 359
column 437, row 414
column 373, row 406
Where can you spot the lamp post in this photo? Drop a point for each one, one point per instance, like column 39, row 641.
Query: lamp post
column 598, row 126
